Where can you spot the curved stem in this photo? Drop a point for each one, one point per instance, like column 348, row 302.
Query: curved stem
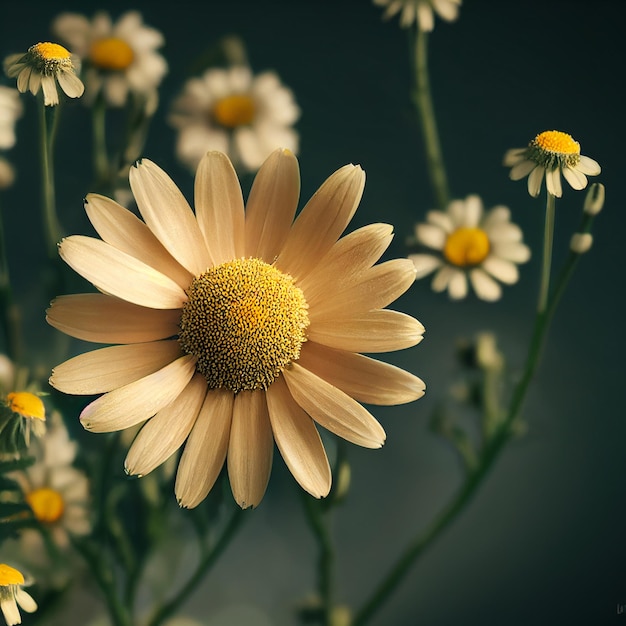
column 548, row 236
column 423, row 101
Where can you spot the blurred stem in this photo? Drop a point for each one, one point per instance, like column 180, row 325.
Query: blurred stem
column 100, row 156
column 492, row 446
column 48, row 121
column 422, row 99
column 9, row 311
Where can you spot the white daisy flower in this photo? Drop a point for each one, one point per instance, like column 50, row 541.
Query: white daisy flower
column 230, row 110
column 471, row 244
column 118, row 57
column 7, row 174
column 420, row 11
column 10, row 111
column 43, row 65
column 12, row 594
column 551, row 153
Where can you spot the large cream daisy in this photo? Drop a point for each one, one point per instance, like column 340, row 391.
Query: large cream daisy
column 10, row 111
column 118, row 57
column 235, row 112
column 237, row 329
column 470, row 244
column 421, row 12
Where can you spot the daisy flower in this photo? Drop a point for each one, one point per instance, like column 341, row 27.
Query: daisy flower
column 7, row 174
column 237, row 329
column 31, row 412
column 470, row 244
column 420, row 11
column 551, row 153
column 230, row 110
column 118, row 57
column 12, row 594
column 43, row 65
column 10, row 111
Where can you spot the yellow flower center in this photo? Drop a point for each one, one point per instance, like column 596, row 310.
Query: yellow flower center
column 556, row 141
column 233, row 111
column 47, row 504
column 26, row 404
column 50, row 51
column 49, row 58
column 466, row 246
column 245, row 321
column 10, row 576
column 111, row 53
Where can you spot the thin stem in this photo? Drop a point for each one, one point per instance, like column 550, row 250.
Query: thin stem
column 9, row 312
column 423, row 101
column 548, row 236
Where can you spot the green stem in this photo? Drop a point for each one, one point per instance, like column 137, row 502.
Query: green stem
column 9, row 311
column 548, row 236
column 207, row 560
column 423, row 101
column 51, row 221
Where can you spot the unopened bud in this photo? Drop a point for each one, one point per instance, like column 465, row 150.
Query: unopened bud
column 594, row 200
column 581, row 243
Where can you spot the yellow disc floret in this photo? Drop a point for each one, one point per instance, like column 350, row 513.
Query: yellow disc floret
column 245, row 320
column 466, row 246
column 233, row 111
column 49, row 58
column 50, row 51
column 553, row 149
column 26, row 404
column 10, row 576
column 47, row 504
column 111, row 53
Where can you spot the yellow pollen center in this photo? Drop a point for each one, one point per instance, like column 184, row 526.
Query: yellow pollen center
column 26, row 404
column 47, row 504
column 556, row 141
column 111, row 53
column 245, row 320
column 233, row 111
column 10, row 576
column 50, row 51
column 466, row 246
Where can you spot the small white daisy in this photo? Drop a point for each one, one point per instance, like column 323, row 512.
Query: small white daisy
column 43, row 65
column 118, row 57
column 551, row 153
column 230, row 110
column 480, row 246
column 420, row 11
column 12, row 594
column 10, row 112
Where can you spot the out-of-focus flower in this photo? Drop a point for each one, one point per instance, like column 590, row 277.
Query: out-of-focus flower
column 238, row 328
column 10, row 111
column 118, row 58
column 481, row 246
column 7, row 174
column 551, row 153
column 31, row 413
column 230, row 110
column 420, row 11
column 43, row 65
column 12, row 594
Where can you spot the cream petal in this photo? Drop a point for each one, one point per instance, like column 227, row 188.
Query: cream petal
column 162, row 435
column 373, row 289
column 503, row 232
column 535, row 178
column 71, row 84
column 588, row 166
column 374, row 331
column 432, row 236
column 49, row 86
column 125, row 231
column 361, row 377
column 456, row 211
column 486, row 288
column 106, row 369
column 138, row 401
column 503, row 270
column 119, row 274
column 322, row 221
column 298, row 441
column 576, row 179
column 553, row 182
column 512, row 157
column 169, row 216
column 332, row 409
column 522, row 169
column 25, row 600
column 473, row 211
column 219, row 207
column 442, row 278
column 272, row 205
column 440, row 219
column 205, row 450
column 10, row 611
column 250, row 448
column 457, row 287
column 424, row 264
column 497, row 215
column 514, row 251
column 23, row 79
column 104, row 319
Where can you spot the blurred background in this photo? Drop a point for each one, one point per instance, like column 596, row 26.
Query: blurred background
column 544, row 541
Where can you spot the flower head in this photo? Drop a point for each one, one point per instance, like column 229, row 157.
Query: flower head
column 118, row 58
column 551, row 153
column 470, row 244
column 43, row 65
column 230, row 110
column 236, row 328
column 420, row 11
column 10, row 111
column 12, row 594
column 29, row 416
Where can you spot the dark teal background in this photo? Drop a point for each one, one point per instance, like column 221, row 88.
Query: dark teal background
column 544, row 542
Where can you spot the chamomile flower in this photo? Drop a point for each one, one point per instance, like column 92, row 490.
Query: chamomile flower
column 10, row 112
column 30, row 413
column 236, row 328
column 551, row 153
column 470, row 244
column 235, row 112
column 118, row 57
column 420, row 11
column 43, row 65
column 12, row 595
column 7, row 174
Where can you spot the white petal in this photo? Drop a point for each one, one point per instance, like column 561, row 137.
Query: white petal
column 553, row 182
column 575, row 178
column 431, row 236
column 457, row 287
column 486, row 288
column 588, row 166
column 535, row 179
column 473, row 211
column 425, row 264
column 503, row 270
column 522, row 169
